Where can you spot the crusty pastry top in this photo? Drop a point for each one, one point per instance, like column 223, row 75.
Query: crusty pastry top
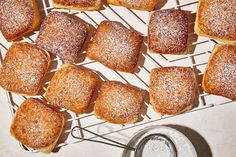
column 16, row 17
column 24, row 68
column 36, row 125
column 82, row 3
column 168, row 31
column 217, row 18
column 72, row 87
column 62, row 34
column 172, row 89
column 220, row 75
column 118, row 103
column 115, row 46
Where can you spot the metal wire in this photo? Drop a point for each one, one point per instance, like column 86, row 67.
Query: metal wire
column 197, row 60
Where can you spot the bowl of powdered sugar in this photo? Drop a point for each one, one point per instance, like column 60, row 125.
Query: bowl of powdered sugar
column 160, row 141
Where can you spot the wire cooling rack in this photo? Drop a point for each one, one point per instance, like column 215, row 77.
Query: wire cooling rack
column 199, row 47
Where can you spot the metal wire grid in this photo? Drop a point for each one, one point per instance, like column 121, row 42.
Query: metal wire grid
column 199, row 47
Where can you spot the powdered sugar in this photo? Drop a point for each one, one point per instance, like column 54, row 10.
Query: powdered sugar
column 156, row 148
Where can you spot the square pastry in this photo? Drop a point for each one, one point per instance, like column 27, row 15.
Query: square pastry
column 24, row 69
column 216, row 19
column 172, row 89
column 115, row 46
column 72, row 88
column 37, row 126
column 137, row 4
column 18, row 18
column 220, row 74
column 78, row 4
column 118, row 103
column 168, row 32
column 63, row 35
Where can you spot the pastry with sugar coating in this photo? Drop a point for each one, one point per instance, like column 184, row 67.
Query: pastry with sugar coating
column 24, row 68
column 72, row 88
column 220, row 75
column 115, row 46
column 168, row 32
column 216, row 19
column 173, row 90
column 118, row 103
column 63, row 35
column 18, row 18
column 37, row 126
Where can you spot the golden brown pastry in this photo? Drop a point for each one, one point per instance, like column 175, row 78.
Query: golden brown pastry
column 220, row 74
column 216, row 19
column 135, row 4
column 18, row 17
column 63, row 35
column 172, row 89
column 72, row 88
column 115, row 46
column 168, row 32
column 24, row 68
column 37, row 126
column 78, row 4
column 118, row 103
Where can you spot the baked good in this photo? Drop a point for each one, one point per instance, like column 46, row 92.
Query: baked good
column 216, row 19
column 63, row 35
column 24, row 68
column 37, row 126
column 220, row 75
column 115, row 46
column 168, row 32
column 135, row 4
column 72, row 88
column 18, row 17
column 172, row 89
column 118, row 103
column 78, row 4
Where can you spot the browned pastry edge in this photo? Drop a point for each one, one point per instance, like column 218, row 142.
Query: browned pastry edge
column 44, row 145
column 182, row 106
column 147, row 5
column 95, row 5
column 212, row 88
column 104, row 109
column 199, row 32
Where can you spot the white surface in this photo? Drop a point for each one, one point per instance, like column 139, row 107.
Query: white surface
column 215, row 124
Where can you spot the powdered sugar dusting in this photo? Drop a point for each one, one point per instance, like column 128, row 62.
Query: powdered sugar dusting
column 217, row 18
column 72, row 88
column 23, row 69
column 16, row 17
column 168, row 31
column 118, row 103
column 156, row 148
column 115, row 46
column 62, row 34
column 220, row 77
column 172, row 89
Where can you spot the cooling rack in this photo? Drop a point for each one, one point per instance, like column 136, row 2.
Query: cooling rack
column 199, row 47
